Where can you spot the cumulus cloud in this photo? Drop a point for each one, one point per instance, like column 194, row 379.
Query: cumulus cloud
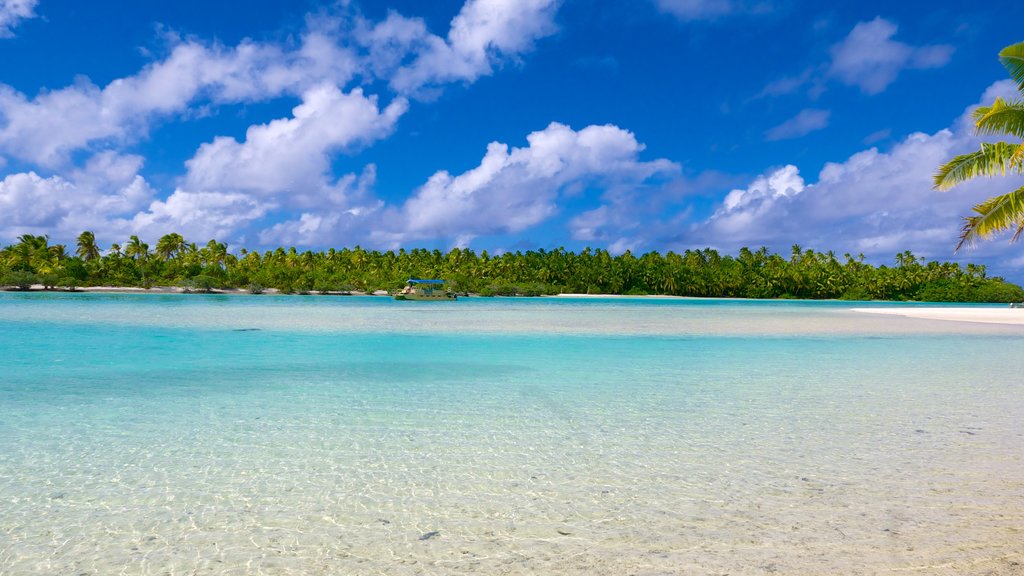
column 96, row 196
column 874, row 202
column 292, row 155
column 514, row 189
column 484, row 32
column 46, row 129
column 12, row 12
column 282, row 164
column 27, row 199
column 199, row 214
column 347, row 215
column 870, row 59
column 807, row 121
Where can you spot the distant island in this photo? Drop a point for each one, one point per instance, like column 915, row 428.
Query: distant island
column 804, row 274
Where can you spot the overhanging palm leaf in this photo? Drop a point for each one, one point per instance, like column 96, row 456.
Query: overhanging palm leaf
column 991, row 159
column 1002, row 117
column 1012, row 58
column 995, row 215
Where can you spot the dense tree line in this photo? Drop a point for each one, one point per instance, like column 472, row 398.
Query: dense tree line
column 749, row 274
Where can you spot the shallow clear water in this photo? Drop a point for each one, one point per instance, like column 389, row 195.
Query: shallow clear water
column 147, row 434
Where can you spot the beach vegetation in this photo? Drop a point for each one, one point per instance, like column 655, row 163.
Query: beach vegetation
column 802, row 273
column 1004, row 117
column 200, row 283
column 87, row 248
column 19, row 279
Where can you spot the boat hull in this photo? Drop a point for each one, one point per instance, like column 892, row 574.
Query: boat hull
column 425, row 297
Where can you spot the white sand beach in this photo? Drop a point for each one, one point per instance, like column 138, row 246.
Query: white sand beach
column 986, row 315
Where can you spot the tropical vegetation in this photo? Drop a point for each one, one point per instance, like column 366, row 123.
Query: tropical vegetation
column 749, row 274
column 1003, row 117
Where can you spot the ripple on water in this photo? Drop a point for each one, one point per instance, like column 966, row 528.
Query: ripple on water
column 155, row 441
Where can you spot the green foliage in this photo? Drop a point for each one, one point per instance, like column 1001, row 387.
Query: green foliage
column 68, row 283
column 750, row 274
column 535, row 289
column 201, row 283
column 49, row 280
column 998, row 290
column 74, row 269
column 856, row 293
column 1012, row 57
column 988, row 290
column 993, row 159
column 19, row 279
column 87, row 249
column 1005, row 211
column 993, row 215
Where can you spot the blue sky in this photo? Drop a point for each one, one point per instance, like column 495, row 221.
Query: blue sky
column 500, row 124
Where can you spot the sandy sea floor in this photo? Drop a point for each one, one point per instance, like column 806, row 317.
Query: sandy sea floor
column 289, row 435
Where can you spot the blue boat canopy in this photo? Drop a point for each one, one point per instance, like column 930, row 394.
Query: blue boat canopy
column 418, row 281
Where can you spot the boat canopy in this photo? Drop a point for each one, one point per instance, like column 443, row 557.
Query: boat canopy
column 418, row 281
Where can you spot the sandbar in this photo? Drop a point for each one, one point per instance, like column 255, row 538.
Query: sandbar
column 985, row 315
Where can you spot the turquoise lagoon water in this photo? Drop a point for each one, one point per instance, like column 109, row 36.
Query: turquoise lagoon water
column 149, row 434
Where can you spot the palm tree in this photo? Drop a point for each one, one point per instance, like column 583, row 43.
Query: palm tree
column 169, row 245
column 1002, row 117
column 87, row 248
column 138, row 250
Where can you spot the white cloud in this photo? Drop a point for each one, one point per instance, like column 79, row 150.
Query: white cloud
column 587, row 226
column 870, row 59
column 782, row 183
column 292, row 155
column 216, row 215
column 484, row 32
column 93, row 197
column 697, row 9
column 620, row 225
column 346, row 216
column 26, row 199
column 512, row 190
column 284, row 163
column 282, row 166
column 877, row 136
column 390, row 42
column 807, row 121
column 694, row 10
column 46, row 129
column 874, row 202
column 791, row 84
column 12, row 12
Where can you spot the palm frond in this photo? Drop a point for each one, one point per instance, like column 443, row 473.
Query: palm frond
column 1012, row 58
column 993, row 216
column 993, row 158
column 1001, row 117
column 1018, row 157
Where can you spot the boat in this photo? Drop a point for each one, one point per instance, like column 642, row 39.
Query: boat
column 416, row 289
